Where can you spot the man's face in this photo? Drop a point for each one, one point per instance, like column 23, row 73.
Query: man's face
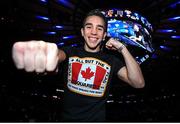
column 93, row 33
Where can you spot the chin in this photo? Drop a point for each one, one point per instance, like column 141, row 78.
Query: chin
column 93, row 46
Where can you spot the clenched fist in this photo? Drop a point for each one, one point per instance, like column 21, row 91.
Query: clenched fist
column 113, row 44
column 38, row 56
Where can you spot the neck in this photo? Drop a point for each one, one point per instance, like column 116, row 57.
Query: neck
column 91, row 50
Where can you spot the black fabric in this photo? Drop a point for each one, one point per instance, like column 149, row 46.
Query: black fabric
column 87, row 87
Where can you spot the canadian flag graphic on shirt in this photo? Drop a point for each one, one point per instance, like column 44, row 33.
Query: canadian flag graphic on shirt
column 88, row 76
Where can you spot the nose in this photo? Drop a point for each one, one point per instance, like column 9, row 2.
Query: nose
column 94, row 31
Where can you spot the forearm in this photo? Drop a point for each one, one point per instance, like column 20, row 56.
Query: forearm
column 134, row 73
column 131, row 73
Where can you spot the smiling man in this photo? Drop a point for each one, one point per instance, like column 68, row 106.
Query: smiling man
column 88, row 69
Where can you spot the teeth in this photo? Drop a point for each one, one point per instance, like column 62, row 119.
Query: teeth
column 92, row 38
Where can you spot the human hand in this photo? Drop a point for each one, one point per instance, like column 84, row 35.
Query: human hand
column 113, row 44
column 38, row 56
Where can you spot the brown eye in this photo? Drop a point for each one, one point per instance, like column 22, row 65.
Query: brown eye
column 88, row 26
column 100, row 29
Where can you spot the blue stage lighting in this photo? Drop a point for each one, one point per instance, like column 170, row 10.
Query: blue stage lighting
column 42, row 18
column 74, row 45
column 43, row 1
column 51, row 32
column 165, row 48
column 166, row 30
column 66, row 3
column 59, row 27
column 174, row 18
column 68, row 37
column 175, row 37
column 60, row 44
column 174, row 4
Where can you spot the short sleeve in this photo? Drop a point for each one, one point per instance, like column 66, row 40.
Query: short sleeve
column 118, row 64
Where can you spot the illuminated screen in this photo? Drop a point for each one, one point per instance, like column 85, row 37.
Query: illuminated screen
column 129, row 27
column 130, row 33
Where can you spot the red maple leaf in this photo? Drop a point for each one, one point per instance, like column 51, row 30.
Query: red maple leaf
column 87, row 74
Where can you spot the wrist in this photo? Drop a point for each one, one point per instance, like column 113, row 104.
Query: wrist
column 121, row 48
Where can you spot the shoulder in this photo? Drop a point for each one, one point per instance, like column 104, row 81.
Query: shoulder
column 114, row 58
column 71, row 51
column 111, row 55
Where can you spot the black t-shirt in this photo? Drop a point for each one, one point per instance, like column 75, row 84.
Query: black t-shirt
column 88, row 77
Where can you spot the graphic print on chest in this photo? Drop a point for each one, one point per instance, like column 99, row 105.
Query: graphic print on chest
column 88, row 76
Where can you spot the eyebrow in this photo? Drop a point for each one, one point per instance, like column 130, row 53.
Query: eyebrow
column 92, row 24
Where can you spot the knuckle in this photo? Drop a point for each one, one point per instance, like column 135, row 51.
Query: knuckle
column 41, row 43
column 30, row 45
column 53, row 45
column 17, row 45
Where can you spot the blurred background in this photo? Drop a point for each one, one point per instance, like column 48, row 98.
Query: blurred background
column 27, row 97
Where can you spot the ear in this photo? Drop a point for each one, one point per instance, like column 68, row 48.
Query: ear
column 105, row 33
column 82, row 32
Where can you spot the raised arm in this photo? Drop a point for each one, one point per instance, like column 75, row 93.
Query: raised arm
column 131, row 73
column 37, row 56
